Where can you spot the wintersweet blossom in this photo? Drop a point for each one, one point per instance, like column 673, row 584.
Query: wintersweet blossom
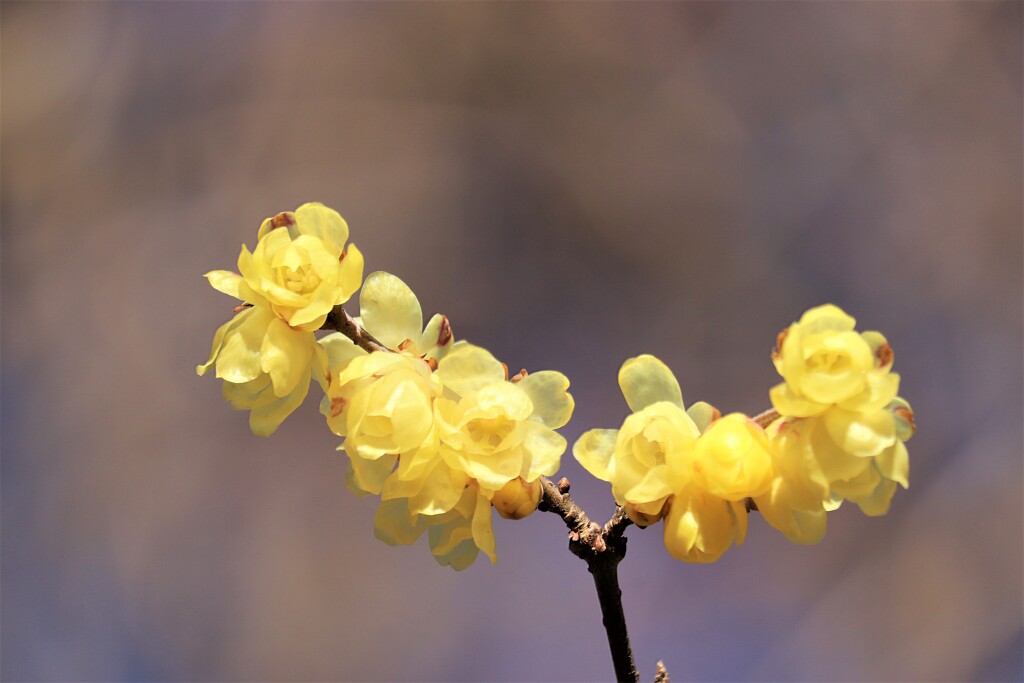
column 298, row 272
column 661, row 466
column 438, row 429
column 842, row 428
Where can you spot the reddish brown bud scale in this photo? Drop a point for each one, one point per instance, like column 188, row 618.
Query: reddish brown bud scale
column 283, row 220
column 780, row 339
column 444, row 335
column 907, row 415
column 884, row 355
column 337, row 406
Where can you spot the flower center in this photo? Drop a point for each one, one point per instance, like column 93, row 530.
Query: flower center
column 303, row 279
column 490, row 431
column 829, row 362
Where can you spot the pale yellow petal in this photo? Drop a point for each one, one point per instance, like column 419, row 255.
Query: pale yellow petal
column 791, row 404
column 645, row 380
column 543, row 450
column 894, row 463
column 468, row 368
column 594, row 450
column 351, row 274
column 239, row 358
column 552, row 404
column 340, row 351
column 313, row 218
column 395, row 525
column 859, row 433
column 389, row 309
column 218, row 340
column 483, row 532
column 225, row 281
column 703, row 414
column 437, row 338
column 285, row 355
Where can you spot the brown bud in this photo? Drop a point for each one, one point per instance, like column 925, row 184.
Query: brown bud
column 283, row 220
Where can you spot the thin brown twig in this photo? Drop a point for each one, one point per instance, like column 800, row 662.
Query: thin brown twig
column 339, row 320
column 602, row 548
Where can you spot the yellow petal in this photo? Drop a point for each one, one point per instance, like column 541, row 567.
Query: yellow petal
column 483, row 532
column 594, row 450
column 218, row 340
column 894, row 463
column 552, row 404
column 371, row 475
column 859, row 433
column 703, row 414
column 791, row 404
column 351, row 274
column 225, row 281
column 389, row 310
column 340, row 351
column 468, row 368
column 542, row 451
column 285, row 355
column 645, row 380
column 313, row 218
column 393, row 523
column 436, row 339
column 239, row 358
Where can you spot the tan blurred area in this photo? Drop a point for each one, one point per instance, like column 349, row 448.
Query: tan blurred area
column 572, row 184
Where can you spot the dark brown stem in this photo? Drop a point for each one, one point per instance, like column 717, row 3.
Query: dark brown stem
column 766, row 418
column 602, row 548
column 339, row 320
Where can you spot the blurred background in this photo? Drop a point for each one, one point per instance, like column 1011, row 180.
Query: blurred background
column 572, row 184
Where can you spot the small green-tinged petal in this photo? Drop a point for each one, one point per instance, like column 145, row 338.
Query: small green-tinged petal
column 594, row 450
column 878, row 503
column 903, row 415
column 285, row 355
column 437, row 338
column 703, row 414
column 389, row 309
column 645, row 380
column 467, row 368
column 370, row 476
column 547, row 389
column 483, row 532
column 393, row 524
column 894, row 463
column 861, row 434
column 239, row 358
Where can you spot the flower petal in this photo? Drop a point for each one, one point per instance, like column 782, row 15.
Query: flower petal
column 543, row 450
column 313, row 218
column 594, row 450
column 224, row 281
column 467, row 368
column 285, row 355
column 239, row 358
column 645, row 380
column 395, row 525
column 552, row 405
column 483, row 531
column 389, row 309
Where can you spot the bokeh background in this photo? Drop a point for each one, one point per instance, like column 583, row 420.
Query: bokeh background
column 572, row 184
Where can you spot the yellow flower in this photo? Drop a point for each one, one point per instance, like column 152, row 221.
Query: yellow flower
column 700, row 526
column 266, row 366
column 824, row 362
column 495, row 430
column 731, row 459
column 455, row 537
column 300, row 269
column 268, row 352
column 383, row 404
column 635, row 459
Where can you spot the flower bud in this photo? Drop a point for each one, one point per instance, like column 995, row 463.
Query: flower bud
column 517, row 498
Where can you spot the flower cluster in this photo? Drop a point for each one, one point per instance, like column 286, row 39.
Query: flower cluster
column 436, row 428
column 841, row 431
column 440, row 446
column 441, row 433
column 268, row 352
column 839, row 435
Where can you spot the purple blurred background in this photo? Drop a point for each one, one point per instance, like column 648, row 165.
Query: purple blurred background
column 572, row 184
